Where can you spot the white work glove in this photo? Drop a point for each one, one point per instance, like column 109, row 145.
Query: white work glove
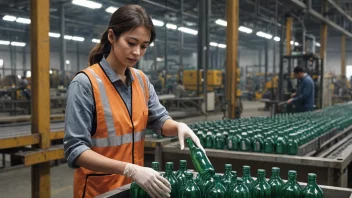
column 148, row 179
column 184, row 132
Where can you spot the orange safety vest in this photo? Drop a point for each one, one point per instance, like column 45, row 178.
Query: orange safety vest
column 119, row 135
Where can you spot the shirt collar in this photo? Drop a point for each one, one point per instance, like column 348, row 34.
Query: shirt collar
column 113, row 77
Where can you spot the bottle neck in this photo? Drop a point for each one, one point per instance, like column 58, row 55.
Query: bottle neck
column 261, row 177
column 246, row 173
column 312, row 181
column 292, row 178
column 183, row 167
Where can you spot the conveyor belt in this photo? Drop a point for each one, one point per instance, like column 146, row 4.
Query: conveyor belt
column 342, row 151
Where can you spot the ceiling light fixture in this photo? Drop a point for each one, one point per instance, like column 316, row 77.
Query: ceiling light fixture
column 188, row 30
column 222, row 45
column 87, row 4
column 18, row 44
column 221, row 22
column 95, row 40
column 213, row 44
column 23, row 20
column 245, row 29
column 4, row 42
column 55, row 35
column 277, row 38
column 171, row 26
column 264, row 35
column 77, row 38
column 111, row 9
column 158, row 23
column 9, row 18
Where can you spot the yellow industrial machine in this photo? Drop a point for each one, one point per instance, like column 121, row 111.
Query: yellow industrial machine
column 271, row 86
column 214, row 79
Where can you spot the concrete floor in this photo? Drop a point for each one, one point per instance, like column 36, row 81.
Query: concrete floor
column 17, row 183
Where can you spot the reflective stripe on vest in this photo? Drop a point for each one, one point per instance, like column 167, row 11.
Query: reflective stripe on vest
column 141, row 83
column 118, row 140
column 107, row 109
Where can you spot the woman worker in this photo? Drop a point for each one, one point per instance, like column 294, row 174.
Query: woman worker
column 109, row 104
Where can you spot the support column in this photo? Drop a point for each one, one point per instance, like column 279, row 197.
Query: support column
column 201, row 43
column 343, row 55
column 181, row 41
column 289, row 22
column 166, row 51
column 266, row 60
column 231, row 54
column 77, row 57
column 62, row 45
column 40, row 54
column 280, row 95
column 325, row 99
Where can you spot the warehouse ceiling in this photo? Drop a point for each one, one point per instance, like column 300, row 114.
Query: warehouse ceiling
column 265, row 16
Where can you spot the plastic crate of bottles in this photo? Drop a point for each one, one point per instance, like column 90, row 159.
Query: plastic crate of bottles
column 280, row 134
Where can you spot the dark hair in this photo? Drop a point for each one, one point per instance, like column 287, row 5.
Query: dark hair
column 298, row 69
column 124, row 19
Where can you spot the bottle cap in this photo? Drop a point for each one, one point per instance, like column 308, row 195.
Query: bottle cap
column 209, row 133
column 228, row 166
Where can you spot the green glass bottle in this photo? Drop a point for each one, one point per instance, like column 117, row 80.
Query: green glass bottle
column 292, row 145
column 268, row 145
column 190, row 189
column 258, row 144
column 200, row 160
column 312, row 190
column 247, row 178
column 244, row 143
column 239, row 191
column 201, row 138
column 155, row 166
column 175, row 191
column 217, row 190
column 227, row 177
column 261, row 189
column 219, row 141
column 180, row 175
column 292, row 189
column 209, row 140
column 280, row 146
column 136, row 191
column 229, row 142
column 276, row 183
column 233, row 183
column 205, row 184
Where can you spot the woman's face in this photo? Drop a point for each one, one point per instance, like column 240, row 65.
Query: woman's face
column 131, row 45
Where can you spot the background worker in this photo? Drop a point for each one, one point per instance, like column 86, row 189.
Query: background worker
column 304, row 97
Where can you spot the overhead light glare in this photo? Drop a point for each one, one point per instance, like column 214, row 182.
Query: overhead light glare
column 9, row 18
column 188, row 30
column 111, row 9
column 55, row 35
column 18, row 44
column 277, row 38
column 264, row 35
column 77, row 38
column 221, row 45
column 4, row 42
column 245, row 29
column 95, row 40
column 158, row 23
column 317, row 44
column 87, row 4
column 151, row 44
column 221, row 22
column 171, row 26
column 23, row 20
column 213, row 44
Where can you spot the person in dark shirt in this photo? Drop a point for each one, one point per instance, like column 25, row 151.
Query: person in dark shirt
column 304, row 97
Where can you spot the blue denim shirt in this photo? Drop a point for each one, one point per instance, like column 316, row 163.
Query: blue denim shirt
column 80, row 111
column 304, row 99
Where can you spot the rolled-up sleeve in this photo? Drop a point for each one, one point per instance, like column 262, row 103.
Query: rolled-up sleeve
column 78, row 118
column 157, row 114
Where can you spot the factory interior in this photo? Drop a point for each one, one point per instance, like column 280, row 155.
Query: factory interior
column 263, row 84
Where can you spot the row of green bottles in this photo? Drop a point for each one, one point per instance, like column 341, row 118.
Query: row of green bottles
column 228, row 185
